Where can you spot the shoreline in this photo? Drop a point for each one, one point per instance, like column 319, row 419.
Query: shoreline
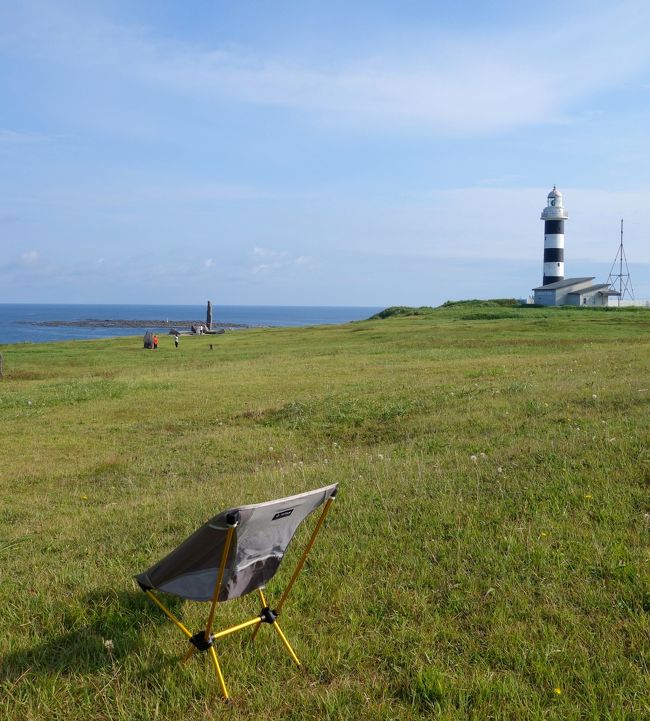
column 108, row 323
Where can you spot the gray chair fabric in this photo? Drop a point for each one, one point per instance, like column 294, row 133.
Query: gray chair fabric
column 259, row 543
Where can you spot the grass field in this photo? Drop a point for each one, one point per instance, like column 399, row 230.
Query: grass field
column 487, row 556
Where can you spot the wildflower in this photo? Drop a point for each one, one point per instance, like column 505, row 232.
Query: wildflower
column 543, row 535
column 588, row 495
column 594, row 396
column 473, row 458
column 270, row 449
column 84, row 498
column 483, row 455
column 108, row 644
column 300, row 463
column 499, row 470
column 29, row 403
column 557, row 691
column 325, row 460
column 380, row 456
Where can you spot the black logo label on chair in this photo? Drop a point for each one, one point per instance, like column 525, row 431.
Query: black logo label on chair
column 282, row 514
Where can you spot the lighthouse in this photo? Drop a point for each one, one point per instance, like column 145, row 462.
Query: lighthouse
column 554, row 215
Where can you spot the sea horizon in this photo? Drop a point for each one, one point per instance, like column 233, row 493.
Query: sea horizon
column 32, row 322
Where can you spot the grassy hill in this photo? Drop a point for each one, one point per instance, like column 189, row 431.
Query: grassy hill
column 487, row 557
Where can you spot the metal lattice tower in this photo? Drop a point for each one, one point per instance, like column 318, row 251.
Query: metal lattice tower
column 623, row 280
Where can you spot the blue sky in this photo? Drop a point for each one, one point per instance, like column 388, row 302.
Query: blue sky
column 304, row 153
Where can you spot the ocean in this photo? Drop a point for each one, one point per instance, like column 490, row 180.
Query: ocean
column 39, row 323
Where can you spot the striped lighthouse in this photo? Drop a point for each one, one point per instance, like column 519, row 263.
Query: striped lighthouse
column 554, row 215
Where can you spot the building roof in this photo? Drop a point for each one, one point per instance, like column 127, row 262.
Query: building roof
column 555, row 193
column 563, row 283
column 598, row 287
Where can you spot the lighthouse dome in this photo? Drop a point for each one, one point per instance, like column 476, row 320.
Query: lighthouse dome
column 554, row 209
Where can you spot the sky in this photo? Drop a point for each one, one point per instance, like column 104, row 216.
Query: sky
column 365, row 153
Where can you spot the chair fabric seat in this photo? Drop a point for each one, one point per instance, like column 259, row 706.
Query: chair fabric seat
column 260, row 540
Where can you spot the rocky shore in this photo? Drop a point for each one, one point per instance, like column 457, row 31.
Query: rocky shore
column 109, row 323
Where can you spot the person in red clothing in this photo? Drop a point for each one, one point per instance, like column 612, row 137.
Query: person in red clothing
column 155, row 342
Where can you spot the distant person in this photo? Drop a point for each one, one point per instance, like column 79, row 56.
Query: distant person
column 155, row 342
column 176, row 341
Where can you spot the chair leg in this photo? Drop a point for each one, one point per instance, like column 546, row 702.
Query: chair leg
column 292, row 653
column 189, row 654
column 169, row 614
column 260, row 593
column 217, row 668
column 193, row 649
column 255, row 630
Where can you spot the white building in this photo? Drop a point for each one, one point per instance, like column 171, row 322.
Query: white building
column 575, row 291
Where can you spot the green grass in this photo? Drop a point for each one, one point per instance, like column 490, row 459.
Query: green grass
column 489, row 545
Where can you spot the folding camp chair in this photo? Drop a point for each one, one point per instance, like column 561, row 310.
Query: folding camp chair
column 234, row 553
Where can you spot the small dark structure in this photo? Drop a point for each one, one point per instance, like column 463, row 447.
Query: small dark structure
column 208, row 319
column 148, row 339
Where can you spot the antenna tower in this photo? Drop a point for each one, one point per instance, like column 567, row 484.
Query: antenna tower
column 622, row 282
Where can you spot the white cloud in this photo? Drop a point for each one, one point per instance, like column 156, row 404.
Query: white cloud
column 209, row 263
column 479, row 224
column 447, row 83
column 30, row 257
column 268, row 253
column 275, row 261
column 10, row 137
